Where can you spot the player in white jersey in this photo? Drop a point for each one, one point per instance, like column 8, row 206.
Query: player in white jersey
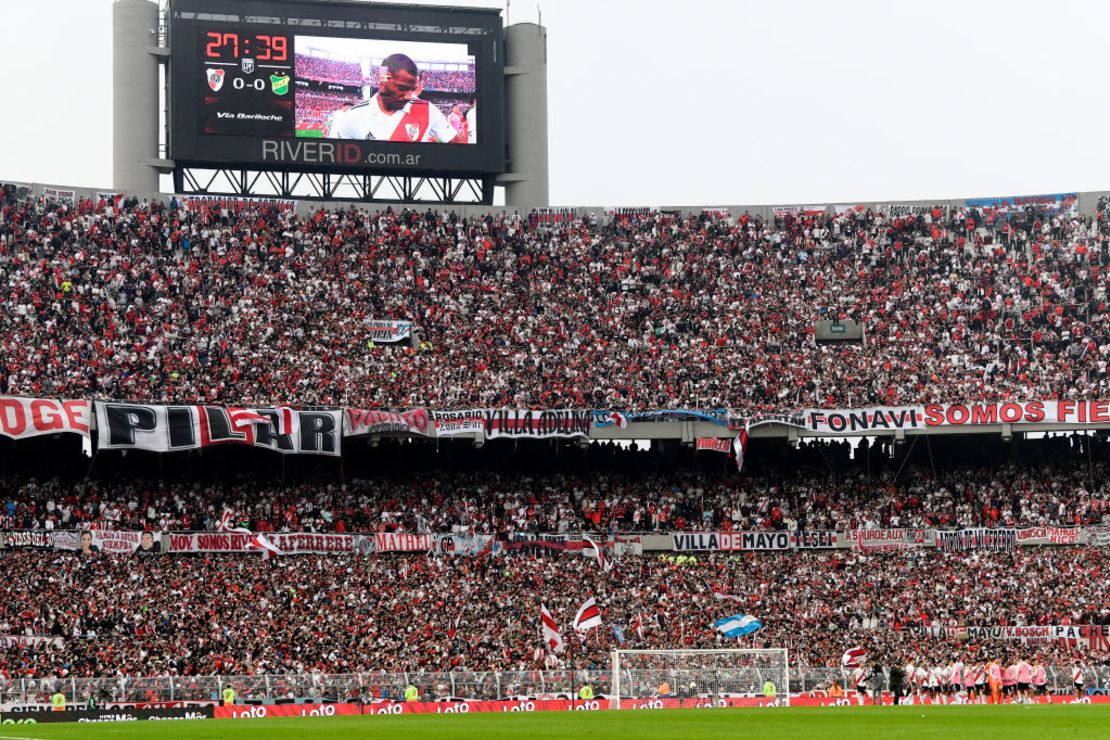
column 472, row 124
column 1077, row 679
column 395, row 113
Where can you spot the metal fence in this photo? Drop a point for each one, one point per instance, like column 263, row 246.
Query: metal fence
column 467, row 685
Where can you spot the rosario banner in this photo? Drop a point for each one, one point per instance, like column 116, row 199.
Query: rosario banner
column 359, row 421
column 450, row 423
column 388, row 332
column 125, row 426
column 977, row 539
column 30, row 417
column 891, row 418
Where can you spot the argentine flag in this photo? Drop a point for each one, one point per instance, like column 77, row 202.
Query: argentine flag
column 738, row 625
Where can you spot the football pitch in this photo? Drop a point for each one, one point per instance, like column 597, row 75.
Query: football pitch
column 1071, row 721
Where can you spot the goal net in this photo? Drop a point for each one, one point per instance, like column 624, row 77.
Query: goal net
column 644, row 679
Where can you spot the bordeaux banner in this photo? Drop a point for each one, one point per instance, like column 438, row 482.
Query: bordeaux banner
column 886, row 540
column 123, row 426
column 30, row 417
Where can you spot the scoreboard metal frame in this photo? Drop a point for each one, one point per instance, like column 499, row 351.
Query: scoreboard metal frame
column 279, row 164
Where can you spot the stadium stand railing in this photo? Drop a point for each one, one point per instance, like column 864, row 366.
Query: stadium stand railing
column 457, row 685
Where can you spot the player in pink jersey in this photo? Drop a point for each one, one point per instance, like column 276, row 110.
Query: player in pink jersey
column 1024, row 679
column 1040, row 678
column 970, row 672
column 1009, row 681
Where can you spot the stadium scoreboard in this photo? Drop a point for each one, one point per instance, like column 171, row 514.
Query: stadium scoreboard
column 337, row 86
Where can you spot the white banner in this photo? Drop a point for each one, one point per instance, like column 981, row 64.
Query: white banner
column 536, row 424
column 388, row 332
column 450, row 423
column 715, row 541
column 19, row 641
column 108, row 542
column 64, row 196
column 124, row 426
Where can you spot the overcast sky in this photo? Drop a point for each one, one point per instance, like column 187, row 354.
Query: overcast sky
column 708, row 103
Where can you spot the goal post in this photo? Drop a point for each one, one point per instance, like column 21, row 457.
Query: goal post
column 658, row 679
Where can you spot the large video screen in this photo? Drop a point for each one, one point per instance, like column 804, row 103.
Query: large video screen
column 378, row 87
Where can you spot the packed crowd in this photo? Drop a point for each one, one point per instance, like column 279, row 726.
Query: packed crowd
column 156, row 616
column 313, row 108
column 322, row 69
column 151, row 301
column 490, row 502
column 441, row 80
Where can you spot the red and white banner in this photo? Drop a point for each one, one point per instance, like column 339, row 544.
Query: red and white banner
column 551, row 635
column 1049, row 536
column 886, row 540
column 714, row 444
column 289, row 543
column 29, row 417
column 588, row 617
column 359, row 421
column 388, row 331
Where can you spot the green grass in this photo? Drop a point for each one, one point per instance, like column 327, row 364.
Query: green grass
column 1046, row 721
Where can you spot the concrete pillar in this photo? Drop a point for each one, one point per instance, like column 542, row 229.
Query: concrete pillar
column 134, row 96
column 526, row 115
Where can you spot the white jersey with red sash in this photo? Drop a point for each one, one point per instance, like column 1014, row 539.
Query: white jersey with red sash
column 417, row 121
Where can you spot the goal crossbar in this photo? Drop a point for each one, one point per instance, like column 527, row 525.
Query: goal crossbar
column 700, row 678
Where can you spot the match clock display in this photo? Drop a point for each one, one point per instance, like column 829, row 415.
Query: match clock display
column 248, row 79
